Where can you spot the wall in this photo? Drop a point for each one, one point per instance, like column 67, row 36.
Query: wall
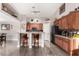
column 7, row 19
column 47, row 30
column 23, row 26
column 14, row 28
column 69, row 7
column 13, row 36
column 13, row 33
column 0, row 6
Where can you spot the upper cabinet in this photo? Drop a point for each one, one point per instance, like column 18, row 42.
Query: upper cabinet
column 64, row 22
column 70, row 21
column 73, row 20
column 76, row 20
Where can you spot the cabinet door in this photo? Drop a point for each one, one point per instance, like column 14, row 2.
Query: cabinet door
column 73, row 23
column 77, row 20
column 72, row 20
column 66, row 45
column 56, row 40
column 60, row 42
column 69, row 21
column 64, row 22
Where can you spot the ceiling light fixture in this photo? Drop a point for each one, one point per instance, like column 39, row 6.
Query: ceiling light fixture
column 34, row 10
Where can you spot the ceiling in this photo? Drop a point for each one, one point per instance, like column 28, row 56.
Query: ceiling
column 36, row 10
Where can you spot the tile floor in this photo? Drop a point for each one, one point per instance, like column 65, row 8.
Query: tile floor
column 12, row 50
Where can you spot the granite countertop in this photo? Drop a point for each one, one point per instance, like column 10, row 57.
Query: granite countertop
column 70, row 38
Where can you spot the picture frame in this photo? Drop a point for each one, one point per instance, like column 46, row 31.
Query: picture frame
column 5, row 26
column 62, row 8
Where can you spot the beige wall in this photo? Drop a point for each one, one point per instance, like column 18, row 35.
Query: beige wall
column 7, row 19
column 0, row 6
column 69, row 7
column 13, row 33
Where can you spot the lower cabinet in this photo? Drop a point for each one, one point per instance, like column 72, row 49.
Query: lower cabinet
column 64, row 43
column 70, row 45
column 58, row 41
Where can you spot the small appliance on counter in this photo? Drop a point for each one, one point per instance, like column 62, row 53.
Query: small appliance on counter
column 67, row 33
column 70, row 33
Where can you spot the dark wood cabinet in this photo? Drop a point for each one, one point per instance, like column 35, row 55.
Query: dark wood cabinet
column 58, row 41
column 70, row 21
column 76, row 26
column 64, row 22
column 64, row 43
column 73, row 20
column 67, row 44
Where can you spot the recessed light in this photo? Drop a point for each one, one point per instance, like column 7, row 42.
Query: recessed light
column 36, row 11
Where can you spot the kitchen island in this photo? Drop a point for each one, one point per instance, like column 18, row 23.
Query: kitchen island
column 68, row 44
